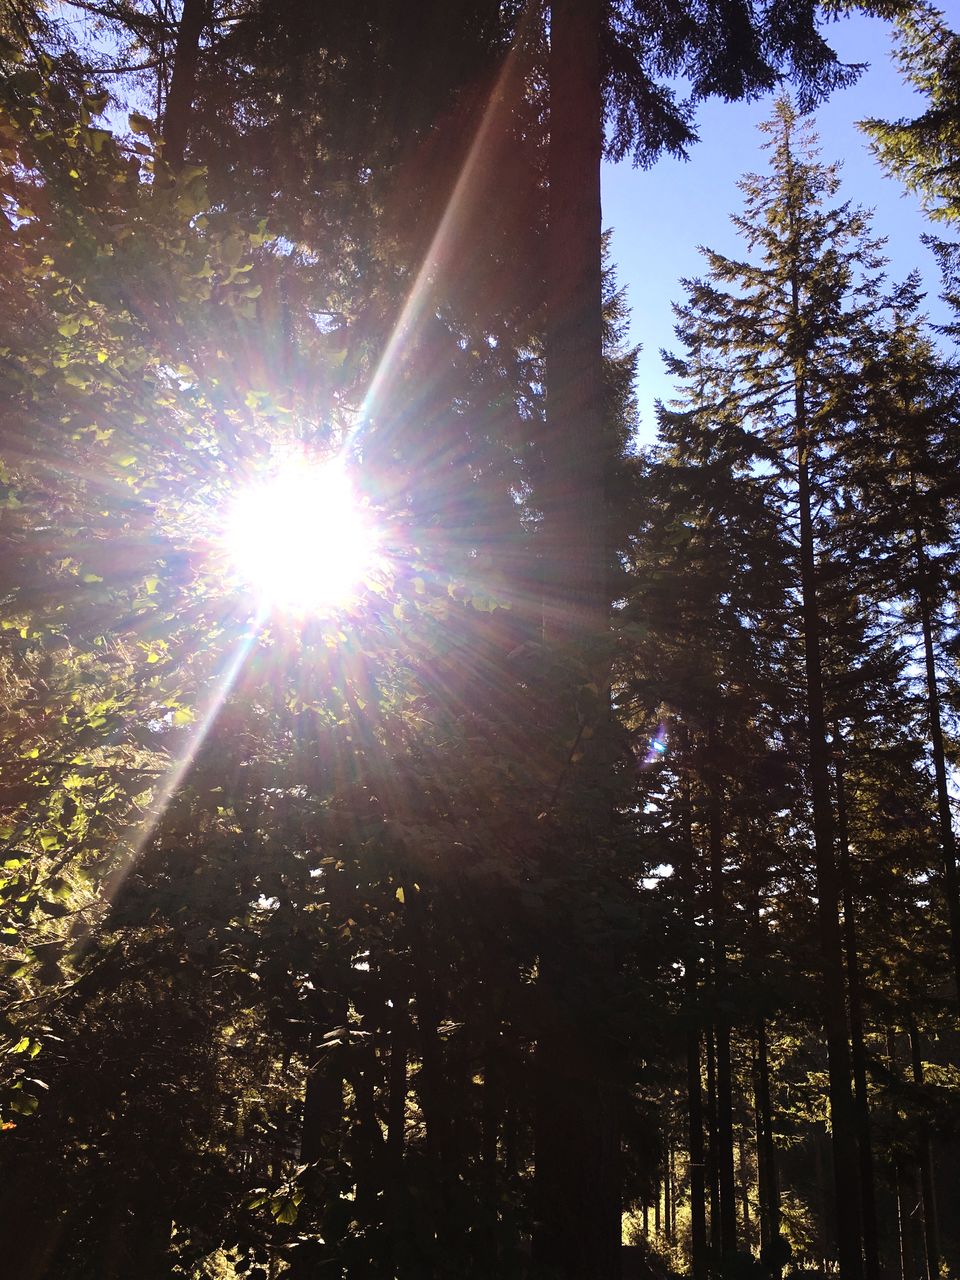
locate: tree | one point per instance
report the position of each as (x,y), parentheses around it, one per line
(780,337)
(924,153)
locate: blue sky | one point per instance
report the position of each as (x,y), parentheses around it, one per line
(660,215)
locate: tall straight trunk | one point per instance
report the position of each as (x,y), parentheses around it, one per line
(902,1181)
(695,1135)
(726,1175)
(744,1188)
(671,1193)
(768,1189)
(577,1176)
(843,1119)
(945,821)
(698,1210)
(575,518)
(908,1267)
(931,1230)
(176,118)
(322,1123)
(491,1110)
(712,1166)
(397,1084)
(868,1195)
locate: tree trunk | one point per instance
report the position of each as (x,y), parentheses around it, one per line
(397,1084)
(726,1173)
(768,1191)
(868,1196)
(712,1166)
(744,1189)
(577,1179)
(695,1139)
(574,498)
(947,845)
(931,1231)
(176,118)
(843,1118)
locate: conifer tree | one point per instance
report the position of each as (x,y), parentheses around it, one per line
(779,339)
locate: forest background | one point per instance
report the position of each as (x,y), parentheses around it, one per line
(338,941)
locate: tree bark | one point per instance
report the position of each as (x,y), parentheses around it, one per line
(767,1181)
(931,1230)
(712,1166)
(726,1173)
(574,499)
(577,1178)
(744,1189)
(176,117)
(695,1134)
(868,1195)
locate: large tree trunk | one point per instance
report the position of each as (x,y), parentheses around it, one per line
(577,1191)
(176,118)
(576,602)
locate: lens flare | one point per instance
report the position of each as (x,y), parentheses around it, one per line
(300,539)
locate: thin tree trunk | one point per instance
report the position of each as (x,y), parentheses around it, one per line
(947,844)
(712,1167)
(726,1174)
(768,1190)
(397,1084)
(908,1270)
(695,1134)
(931,1231)
(744,1189)
(868,1195)
(698,1208)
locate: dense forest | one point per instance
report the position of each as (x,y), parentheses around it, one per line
(566,887)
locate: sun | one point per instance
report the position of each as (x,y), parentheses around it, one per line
(300,538)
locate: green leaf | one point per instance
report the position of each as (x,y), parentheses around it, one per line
(141,124)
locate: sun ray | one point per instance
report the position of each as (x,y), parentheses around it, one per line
(439,255)
(170,783)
